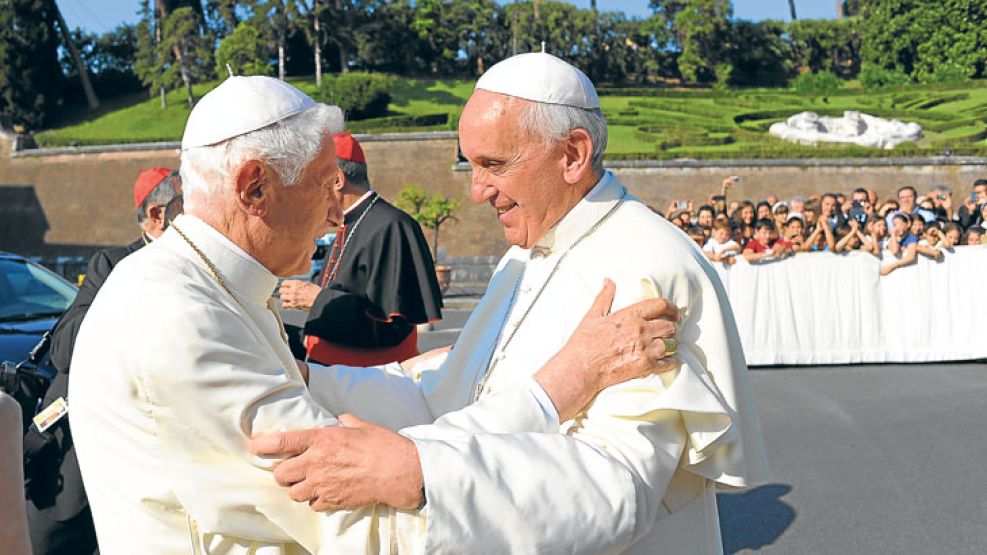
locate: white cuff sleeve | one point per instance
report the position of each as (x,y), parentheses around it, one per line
(544,401)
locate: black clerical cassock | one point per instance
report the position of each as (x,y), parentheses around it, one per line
(378,283)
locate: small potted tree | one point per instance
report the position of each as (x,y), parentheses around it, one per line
(430,212)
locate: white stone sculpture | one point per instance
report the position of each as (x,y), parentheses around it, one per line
(809,128)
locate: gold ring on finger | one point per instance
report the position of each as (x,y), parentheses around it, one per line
(671,346)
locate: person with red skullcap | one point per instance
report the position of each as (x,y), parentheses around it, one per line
(58,510)
(378,281)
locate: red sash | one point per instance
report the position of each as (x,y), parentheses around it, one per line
(323,352)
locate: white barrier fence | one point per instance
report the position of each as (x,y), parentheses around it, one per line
(823,308)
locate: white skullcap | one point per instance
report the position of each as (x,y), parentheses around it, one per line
(540,77)
(241,105)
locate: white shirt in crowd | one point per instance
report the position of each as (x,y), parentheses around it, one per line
(716,247)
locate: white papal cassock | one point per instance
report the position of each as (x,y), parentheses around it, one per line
(171,374)
(637,472)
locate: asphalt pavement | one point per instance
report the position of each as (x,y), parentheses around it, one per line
(865,459)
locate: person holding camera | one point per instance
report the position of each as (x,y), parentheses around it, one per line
(968,214)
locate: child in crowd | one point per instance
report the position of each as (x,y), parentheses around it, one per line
(821,238)
(761,247)
(795,232)
(973,236)
(917,226)
(780,213)
(951,237)
(902,244)
(721,247)
(928,243)
(877,232)
(851,238)
(696,234)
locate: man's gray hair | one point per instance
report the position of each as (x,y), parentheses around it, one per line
(287,146)
(355,172)
(160,195)
(555,121)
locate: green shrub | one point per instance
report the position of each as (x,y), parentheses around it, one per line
(947,73)
(822,81)
(398,123)
(359,94)
(874,77)
(723,72)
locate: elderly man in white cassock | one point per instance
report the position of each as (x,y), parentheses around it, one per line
(638,470)
(162,414)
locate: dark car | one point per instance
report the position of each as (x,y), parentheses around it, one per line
(31,300)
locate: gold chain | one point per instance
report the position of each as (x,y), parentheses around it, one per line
(222,282)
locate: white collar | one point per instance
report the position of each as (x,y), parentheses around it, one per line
(242,272)
(358,202)
(595,205)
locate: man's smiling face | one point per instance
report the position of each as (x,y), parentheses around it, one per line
(516,173)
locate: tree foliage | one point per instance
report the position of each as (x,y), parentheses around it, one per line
(831,45)
(702,31)
(430,211)
(923,39)
(690,41)
(31,80)
(244,51)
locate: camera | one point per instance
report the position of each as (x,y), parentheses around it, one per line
(681,205)
(27,381)
(857,212)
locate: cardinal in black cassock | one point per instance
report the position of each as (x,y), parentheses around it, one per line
(379,279)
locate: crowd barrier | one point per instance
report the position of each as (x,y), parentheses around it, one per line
(824,308)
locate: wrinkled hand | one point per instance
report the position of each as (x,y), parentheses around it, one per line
(299,295)
(608,349)
(352,465)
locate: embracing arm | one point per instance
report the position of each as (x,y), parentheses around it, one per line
(619,462)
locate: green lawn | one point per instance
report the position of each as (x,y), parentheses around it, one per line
(644,123)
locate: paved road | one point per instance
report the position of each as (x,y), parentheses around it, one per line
(866,459)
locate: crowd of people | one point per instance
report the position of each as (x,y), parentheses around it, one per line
(906,227)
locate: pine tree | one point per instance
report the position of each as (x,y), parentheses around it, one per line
(31,79)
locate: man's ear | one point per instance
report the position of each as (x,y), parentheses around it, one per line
(155,214)
(578,151)
(253,189)
(340,180)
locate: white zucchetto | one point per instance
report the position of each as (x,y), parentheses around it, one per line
(541,77)
(240,105)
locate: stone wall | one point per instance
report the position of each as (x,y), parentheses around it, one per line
(71,201)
